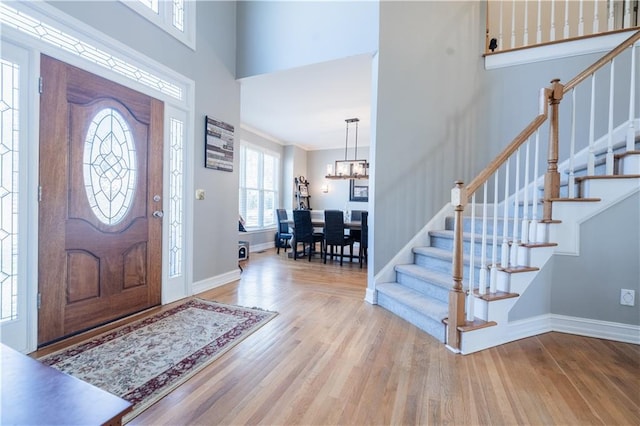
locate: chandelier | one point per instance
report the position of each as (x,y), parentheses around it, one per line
(349,169)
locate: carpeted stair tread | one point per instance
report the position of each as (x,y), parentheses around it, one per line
(433,252)
(466,236)
(422,273)
(429,307)
(444,255)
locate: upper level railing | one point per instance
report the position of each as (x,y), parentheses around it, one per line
(513,24)
(509,184)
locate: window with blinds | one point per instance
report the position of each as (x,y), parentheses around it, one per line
(259,171)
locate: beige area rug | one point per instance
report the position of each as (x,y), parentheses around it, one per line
(143,361)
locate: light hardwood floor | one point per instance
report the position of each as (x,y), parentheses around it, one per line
(330,358)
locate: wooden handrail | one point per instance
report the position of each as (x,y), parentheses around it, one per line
(601,62)
(513,146)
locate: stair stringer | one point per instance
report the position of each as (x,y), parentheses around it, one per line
(405,254)
(498,310)
(572,214)
(566,234)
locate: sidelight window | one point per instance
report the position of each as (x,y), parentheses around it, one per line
(9,155)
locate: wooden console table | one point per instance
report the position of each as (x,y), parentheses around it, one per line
(36,394)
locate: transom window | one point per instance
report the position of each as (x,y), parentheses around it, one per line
(177,17)
(259,176)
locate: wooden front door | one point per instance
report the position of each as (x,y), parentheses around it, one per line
(100,210)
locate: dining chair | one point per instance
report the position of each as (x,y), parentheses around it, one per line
(284,235)
(364,237)
(303,233)
(334,234)
(356,216)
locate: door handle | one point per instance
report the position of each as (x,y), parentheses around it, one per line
(158,213)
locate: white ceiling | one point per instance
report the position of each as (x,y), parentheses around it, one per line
(308,106)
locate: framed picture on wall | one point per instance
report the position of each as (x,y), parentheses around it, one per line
(218,145)
(358,190)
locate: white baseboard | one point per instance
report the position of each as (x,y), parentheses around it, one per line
(371,296)
(594,328)
(529,327)
(217,281)
(573,325)
(260,247)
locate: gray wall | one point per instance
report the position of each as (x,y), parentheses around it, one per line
(431,114)
(338,195)
(279,35)
(212,67)
(588,286)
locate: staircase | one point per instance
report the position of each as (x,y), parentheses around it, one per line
(523,238)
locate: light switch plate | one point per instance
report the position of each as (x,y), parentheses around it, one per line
(199,194)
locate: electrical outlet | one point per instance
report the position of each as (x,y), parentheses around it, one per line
(627,297)
(199,194)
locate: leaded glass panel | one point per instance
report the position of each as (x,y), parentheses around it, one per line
(176,135)
(9,138)
(109,166)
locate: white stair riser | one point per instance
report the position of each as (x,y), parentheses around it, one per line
(602,188)
(630,165)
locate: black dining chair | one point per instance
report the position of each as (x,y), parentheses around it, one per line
(356,216)
(364,237)
(303,233)
(334,234)
(284,235)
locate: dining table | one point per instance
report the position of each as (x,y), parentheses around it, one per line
(354,225)
(319,223)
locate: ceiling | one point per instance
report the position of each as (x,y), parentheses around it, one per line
(308,106)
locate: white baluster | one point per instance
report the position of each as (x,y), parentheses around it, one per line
(539,24)
(482,287)
(515,240)
(581,19)
(552,31)
(572,148)
(591,161)
(524,234)
(513,24)
(626,22)
(610,22)
(472,260)
(565,33)
(533,232)
(631,132)
(493,282)
(504,257)
(596,21)
(500,27)
(609,167)
(525,36)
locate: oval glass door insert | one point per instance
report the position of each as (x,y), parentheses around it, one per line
(109,166)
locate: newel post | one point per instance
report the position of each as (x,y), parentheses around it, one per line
(456,295)
(552,177)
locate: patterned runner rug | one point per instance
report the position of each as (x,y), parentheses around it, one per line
(143,361)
